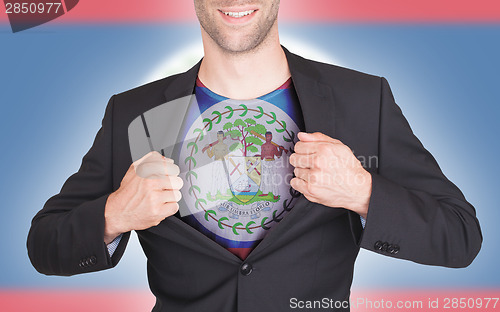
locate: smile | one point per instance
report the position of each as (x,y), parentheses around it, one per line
(238,14)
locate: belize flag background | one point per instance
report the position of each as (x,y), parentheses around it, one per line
(441,58)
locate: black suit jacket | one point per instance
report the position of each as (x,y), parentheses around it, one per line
(415,212)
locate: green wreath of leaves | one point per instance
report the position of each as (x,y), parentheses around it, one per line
(234,228)
(194,187)
(272,121)
(209,123)
(194,174)
(261,113)
(198,201)
(220,222)
(201,133)
(247,227)
(219,115)
(276,218)
(283,129)
(193,144)
(245,108)
(211,212)
(231,112)
(292,135)
(265,227)
(190,158)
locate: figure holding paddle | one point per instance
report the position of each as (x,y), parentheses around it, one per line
(219,152)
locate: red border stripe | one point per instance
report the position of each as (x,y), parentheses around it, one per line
(157,11)
(366,300)
(392,10)
(75,300)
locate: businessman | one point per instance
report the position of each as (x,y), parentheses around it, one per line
(248,252)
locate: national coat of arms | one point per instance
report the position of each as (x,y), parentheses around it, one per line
(236,170)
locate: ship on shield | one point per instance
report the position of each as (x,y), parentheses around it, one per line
(244,176)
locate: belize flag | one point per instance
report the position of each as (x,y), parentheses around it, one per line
(441,58)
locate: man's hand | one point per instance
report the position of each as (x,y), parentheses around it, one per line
(148,193)
(328,173)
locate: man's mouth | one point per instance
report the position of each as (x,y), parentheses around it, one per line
(239,14)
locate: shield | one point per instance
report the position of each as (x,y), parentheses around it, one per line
(244,176)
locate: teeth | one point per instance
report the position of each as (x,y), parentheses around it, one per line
(239,14)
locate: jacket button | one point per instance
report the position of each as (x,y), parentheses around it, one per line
(246,269)
(93,260)
(378,245)
(390,249)
(396,249)
(384,246)
(82,263)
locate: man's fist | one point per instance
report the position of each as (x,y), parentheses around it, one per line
(328,173)
(148,193)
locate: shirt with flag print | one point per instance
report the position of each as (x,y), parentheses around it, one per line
(234,164)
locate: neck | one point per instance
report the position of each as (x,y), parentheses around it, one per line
(245,75)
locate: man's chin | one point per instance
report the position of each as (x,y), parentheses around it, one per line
(235,46)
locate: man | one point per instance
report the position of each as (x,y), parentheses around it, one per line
(267,154)
(219,151)
(307,251)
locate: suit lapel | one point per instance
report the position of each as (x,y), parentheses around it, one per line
(318,107)
(315,97)
(158,127)
(159,122)
(183,84)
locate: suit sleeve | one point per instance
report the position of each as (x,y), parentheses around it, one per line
(67,236)
(415,212)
